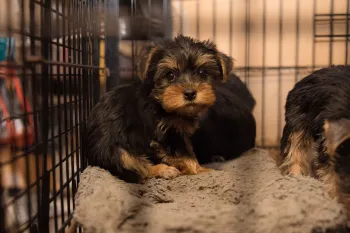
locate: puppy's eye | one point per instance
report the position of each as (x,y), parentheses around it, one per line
(171,76)
(202,73)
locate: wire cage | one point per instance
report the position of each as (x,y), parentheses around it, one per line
(57,57)
(49,74)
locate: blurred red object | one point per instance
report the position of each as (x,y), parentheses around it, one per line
(16,116)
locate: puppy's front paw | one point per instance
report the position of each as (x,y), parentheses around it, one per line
(163,171)
(169,173)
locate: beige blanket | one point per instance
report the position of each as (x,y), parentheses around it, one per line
(246,195)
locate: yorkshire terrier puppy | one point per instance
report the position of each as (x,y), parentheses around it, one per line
(229,128)
(240,89)
(316,137)
(143,129)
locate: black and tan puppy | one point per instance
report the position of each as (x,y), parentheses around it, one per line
(142,129)
(316,137)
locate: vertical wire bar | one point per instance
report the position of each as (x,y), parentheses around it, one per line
(96,56)
(52,139)
(166,18)
(53,123)
(85,106)
(52,109)
(26,114)
(84,22)
(77,73)
(86,74)
(81,43)
(67,91)
(72,78)
(92,75)
(231,27)
(280,53)
(46,34)
(150,19)
(111,42)
(214,20)
(93,82)
(32,26)
(247,36)
(197,19)
(9,31)
(181,17)
(347,33)
(314,35)
(263,76)
(331,33)
(65,37)
(297,40)
(12,152)
(133,9)
(34,93)
(59,110)
(91,8)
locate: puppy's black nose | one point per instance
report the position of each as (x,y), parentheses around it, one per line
(190,94)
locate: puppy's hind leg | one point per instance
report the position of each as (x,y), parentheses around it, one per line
(297,150)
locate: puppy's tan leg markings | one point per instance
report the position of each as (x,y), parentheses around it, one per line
(189,147)
(336,184)
(138,164)
(186,164)
(182,164)
(146,170)
(298,159)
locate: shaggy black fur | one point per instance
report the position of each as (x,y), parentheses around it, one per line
(122,118)
(235,84)
(229,128)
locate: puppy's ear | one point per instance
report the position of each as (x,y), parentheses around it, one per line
(226,63)
(337,135)
(145,60)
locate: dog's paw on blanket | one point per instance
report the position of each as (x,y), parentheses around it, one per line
(247,195)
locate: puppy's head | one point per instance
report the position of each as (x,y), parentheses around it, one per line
(181,73)
(337,135)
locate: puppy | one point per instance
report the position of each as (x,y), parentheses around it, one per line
(316,137)
(142,129)
(235,84)
(229,129)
